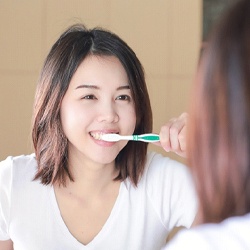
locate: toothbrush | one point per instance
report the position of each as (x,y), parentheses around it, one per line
(143,137)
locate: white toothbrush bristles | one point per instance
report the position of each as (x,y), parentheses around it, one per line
(109,137)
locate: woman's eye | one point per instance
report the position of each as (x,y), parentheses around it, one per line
(89,97)
(123,98)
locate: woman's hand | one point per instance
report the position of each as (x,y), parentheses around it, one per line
(173,135)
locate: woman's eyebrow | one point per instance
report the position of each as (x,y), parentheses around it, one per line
(91,86)
(87,86)
(123,87)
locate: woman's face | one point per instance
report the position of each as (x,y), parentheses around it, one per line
(98,100)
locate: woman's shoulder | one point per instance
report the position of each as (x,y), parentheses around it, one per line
(166,177)
(169,186)
(158,164)
(14,166)
(234,230)
(233,233)
(17,158)
(18,161)
(234,226)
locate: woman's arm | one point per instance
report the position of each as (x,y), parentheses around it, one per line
(6,245)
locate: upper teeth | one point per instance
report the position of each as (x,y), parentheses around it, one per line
(96,135)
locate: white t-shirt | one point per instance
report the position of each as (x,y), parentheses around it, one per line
(140,219)
(231,234)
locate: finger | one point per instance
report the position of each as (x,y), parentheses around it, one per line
(165,135)
(175,135)
(182,143)
(182,139)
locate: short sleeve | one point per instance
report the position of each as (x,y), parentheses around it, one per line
(171,189)
(5,197)
(189,239)
(183,197)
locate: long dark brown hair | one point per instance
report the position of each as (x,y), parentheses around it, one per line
(219,129)
(50,143)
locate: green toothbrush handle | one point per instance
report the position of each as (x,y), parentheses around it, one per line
(147,137)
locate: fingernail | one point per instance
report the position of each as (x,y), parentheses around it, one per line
(166,149)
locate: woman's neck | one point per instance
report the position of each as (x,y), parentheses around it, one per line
(91,176)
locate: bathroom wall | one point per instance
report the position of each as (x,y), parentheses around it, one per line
(165,34)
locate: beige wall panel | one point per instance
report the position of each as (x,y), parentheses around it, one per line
(169,98)
(185,39)
(144,25)
(160,93)
(16,101)
(60,14)
(179,98)
(21,36)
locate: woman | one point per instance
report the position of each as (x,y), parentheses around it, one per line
(80,192)
(219,138)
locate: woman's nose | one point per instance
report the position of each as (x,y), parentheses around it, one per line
(108,113)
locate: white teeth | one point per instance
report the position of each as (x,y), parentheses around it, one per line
(96,135)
